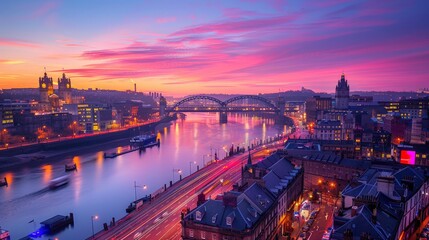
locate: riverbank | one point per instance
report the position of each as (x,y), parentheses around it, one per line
(45,153)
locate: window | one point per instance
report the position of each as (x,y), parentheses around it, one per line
(228,221)
(203,235)
(214,236)
(191,233)
(198,216)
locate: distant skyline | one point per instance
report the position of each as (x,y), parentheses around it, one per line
(188,47)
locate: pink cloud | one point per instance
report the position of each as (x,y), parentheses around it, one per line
(166,20)
(17,43)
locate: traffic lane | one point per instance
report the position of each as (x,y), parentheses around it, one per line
(184,202)
(159,201)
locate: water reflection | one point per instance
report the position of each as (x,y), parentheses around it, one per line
(47,173)
(104,186)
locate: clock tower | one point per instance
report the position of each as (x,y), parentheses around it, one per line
(64,89)
(46,88)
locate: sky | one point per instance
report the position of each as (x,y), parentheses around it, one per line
(190,47)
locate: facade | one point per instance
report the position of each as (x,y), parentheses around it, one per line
(412,154)
(261,211)
(383,204)
(46,88)
(64,89)
(327,172)
(329,130)
(342,93)
(414,108)
(94,117)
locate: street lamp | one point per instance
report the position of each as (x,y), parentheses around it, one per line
(93,217)
(178,171)
(144,187)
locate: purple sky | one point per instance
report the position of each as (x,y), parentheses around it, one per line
(185,47)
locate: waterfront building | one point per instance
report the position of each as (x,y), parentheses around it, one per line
(385,203)
(94,117)
(64,89)
(27,123)
(342,93)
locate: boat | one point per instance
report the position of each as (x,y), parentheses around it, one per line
(145,140)
(3,182)
(4,234)
(70,167)
(58,182)
(137,203)
(53,225)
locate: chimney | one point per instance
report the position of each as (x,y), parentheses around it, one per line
(230,199)
(354,211)
(374,216)
(201,199)
(385,184)
(135,87)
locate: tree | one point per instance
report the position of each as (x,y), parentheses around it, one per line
(43,133)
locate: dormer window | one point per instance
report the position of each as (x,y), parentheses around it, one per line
(198,216)
(228,221)
(214,218)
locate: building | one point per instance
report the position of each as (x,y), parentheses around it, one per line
(414,108)
(342,93)
(412,154)
(383,204)
(64,89)
(327,172)
(94,117)
(261,211)
(329,130)
(46,89)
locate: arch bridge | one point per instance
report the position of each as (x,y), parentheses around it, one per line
(241,103)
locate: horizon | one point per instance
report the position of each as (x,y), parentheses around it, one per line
(211,47)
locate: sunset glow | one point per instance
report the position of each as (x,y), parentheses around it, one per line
(216,46)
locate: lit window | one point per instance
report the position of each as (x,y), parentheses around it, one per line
(191,233)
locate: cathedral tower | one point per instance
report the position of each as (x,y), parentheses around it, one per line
(342,93)
(64,89)
(46,88)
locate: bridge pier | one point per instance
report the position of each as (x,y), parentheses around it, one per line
(223,117)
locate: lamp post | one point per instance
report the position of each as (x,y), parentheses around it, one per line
(204,160)
(178,171)
(93,217)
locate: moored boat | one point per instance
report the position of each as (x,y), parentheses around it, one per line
(3,182)
(138,203)
(144,140)
(70,167)
(52,225)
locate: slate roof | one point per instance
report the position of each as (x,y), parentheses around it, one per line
(251,204)
(384,227)
(389,211)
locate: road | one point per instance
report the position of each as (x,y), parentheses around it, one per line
(160,219)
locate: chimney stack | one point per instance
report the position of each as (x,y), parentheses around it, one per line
(354,211)
(135,87)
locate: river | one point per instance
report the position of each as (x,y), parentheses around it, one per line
(104,187)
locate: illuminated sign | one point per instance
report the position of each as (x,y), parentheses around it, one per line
(408,157)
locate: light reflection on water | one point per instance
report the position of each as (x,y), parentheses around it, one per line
(106,186)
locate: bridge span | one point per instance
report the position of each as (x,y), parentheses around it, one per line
(240,103)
